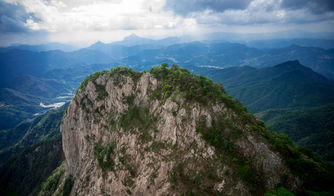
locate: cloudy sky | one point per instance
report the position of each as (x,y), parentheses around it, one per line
(87,21)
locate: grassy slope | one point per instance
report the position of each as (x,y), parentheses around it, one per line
(25,171)
(286,85)
(311,127)
(30,132)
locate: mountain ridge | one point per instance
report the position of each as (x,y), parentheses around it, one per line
(261,89)
(310,127)
(162,116)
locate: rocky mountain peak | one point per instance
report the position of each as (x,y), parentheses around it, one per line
(167,131)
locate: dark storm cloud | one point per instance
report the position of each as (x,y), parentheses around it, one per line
(315,6)
(184,7)
(12,18)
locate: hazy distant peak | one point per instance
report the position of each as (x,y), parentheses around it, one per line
(98,43)
(293,64)
(133,36)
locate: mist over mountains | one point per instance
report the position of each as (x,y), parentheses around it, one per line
(166,97)
(286,83)
(142,52)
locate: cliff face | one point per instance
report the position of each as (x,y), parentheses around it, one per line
(166,132)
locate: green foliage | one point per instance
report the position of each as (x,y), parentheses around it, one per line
(176,81)
(175,174)
(311,127)
(191,86)
(25,171)
(217,136)
(103,156)
(52,182)
(185,176)
(68,186)
(12,115)
(246,174)
(30,132)
(85,103)
(214,136)
(164,65)
(129,99)
(153,176)
(321,193)
(281,191)
(190,193)
(125,72)
(128,181)
(92,78)
(138,118)
(101,91)
(234,104)
(12,136)
(288,85)
(127,164)
(117,73)
(316,173)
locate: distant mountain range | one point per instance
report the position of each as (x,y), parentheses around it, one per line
(289,97)
(134,40)
(22,97)
(142,53)
(34,74)
(283,43)
(287,85)
(41,47)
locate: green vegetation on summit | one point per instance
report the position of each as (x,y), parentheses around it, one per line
(227,132)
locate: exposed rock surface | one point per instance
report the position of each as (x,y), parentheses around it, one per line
(126,133)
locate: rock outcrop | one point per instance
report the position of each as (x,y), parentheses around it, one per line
(166,132)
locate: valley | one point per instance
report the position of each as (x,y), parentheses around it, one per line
(166,98)
(289,96)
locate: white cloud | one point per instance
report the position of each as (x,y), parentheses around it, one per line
(261,12)
(262,16)
(110,20)
(63,16)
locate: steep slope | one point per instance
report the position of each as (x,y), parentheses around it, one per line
(24,172)
(311,127)
(286,93)
(285,85)
(168,131)
(30,132)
